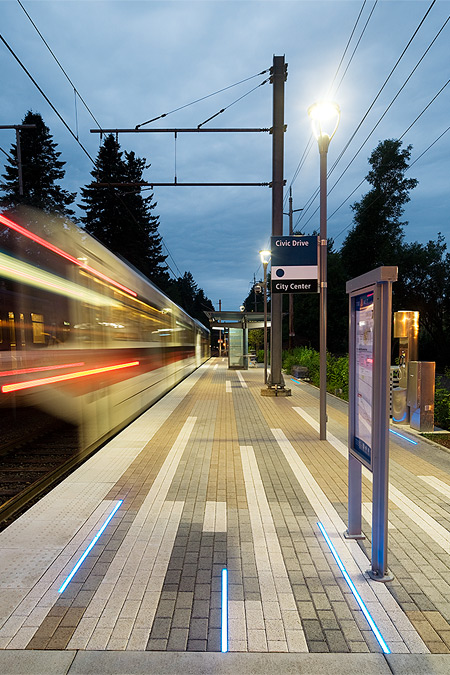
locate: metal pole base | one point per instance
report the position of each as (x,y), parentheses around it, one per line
(375,576)
(276,391)
(347,535)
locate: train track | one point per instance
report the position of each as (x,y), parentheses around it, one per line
(36,451)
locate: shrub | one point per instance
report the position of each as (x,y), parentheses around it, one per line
(441,407)
(337,368)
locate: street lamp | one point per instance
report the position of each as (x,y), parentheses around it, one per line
(265,257)
(325,119)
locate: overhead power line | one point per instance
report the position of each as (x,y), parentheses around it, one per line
(77,93)
(310,140)
(311,199)
(203,98)
(41,91)
(234,102)
(400,138)
(408,169)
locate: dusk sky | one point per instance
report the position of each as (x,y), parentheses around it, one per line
(135,60)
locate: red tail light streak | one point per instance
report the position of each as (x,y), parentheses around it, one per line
(23,371)
(34,237)
(18,386)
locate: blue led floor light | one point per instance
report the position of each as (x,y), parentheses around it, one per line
(405,438)
(90,547)
(358,598)
(224,636)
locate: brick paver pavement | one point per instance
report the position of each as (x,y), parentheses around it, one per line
(214,476)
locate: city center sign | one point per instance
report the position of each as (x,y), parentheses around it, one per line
(294,264)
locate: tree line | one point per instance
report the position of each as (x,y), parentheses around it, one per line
(116,209)
(377,237)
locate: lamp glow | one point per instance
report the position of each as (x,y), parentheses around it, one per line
(324,117)
(358,598)
(265,257)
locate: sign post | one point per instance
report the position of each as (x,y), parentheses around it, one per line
(370,308)
(294,264)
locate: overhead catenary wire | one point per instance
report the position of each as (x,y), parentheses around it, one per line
(311,139)
(400,138)
(203,98)
(75,136)
(10,157)
(303,214)
(41,91)
(233,103)
(408,169)
(77,93)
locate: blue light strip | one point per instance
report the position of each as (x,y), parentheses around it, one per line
(358,598)
(224,636)
(296,381)
(404,437)
(90,547)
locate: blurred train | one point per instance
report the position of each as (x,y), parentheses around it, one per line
(83,336)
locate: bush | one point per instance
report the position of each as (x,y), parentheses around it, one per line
(441,407)
(260,356)
(337,368)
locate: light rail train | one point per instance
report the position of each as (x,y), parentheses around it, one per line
(84,336)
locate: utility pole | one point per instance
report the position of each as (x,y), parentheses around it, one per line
(18,128)
(278,78)
(291,295)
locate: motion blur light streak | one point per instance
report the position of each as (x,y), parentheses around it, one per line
(17,270)
(34,237)
(90,547)
(22,371)
(62,378)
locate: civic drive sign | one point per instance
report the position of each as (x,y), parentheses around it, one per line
(294,264)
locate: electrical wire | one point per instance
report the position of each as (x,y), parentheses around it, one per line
(10,157)
(357,44)
(173,259)
(400,138)
(310,141)
(348,45)
(394,99)
(303,214)
(46,98)
(233,103)
(77,93)
(67,127)
(409,167)
(203,98)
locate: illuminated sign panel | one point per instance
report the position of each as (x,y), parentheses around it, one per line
(294,267)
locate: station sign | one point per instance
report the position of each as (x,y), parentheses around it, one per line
(294,264)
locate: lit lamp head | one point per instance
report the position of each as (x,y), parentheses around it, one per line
(265,257)
(325,117)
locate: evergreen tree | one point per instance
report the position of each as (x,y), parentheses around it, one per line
(377,235)
(41,169)
(185,292)
(121,217)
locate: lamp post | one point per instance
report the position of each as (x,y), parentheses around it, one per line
(265,257)
(325,119)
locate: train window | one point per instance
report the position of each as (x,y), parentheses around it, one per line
(12,329)
(37,322)
(22,329)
